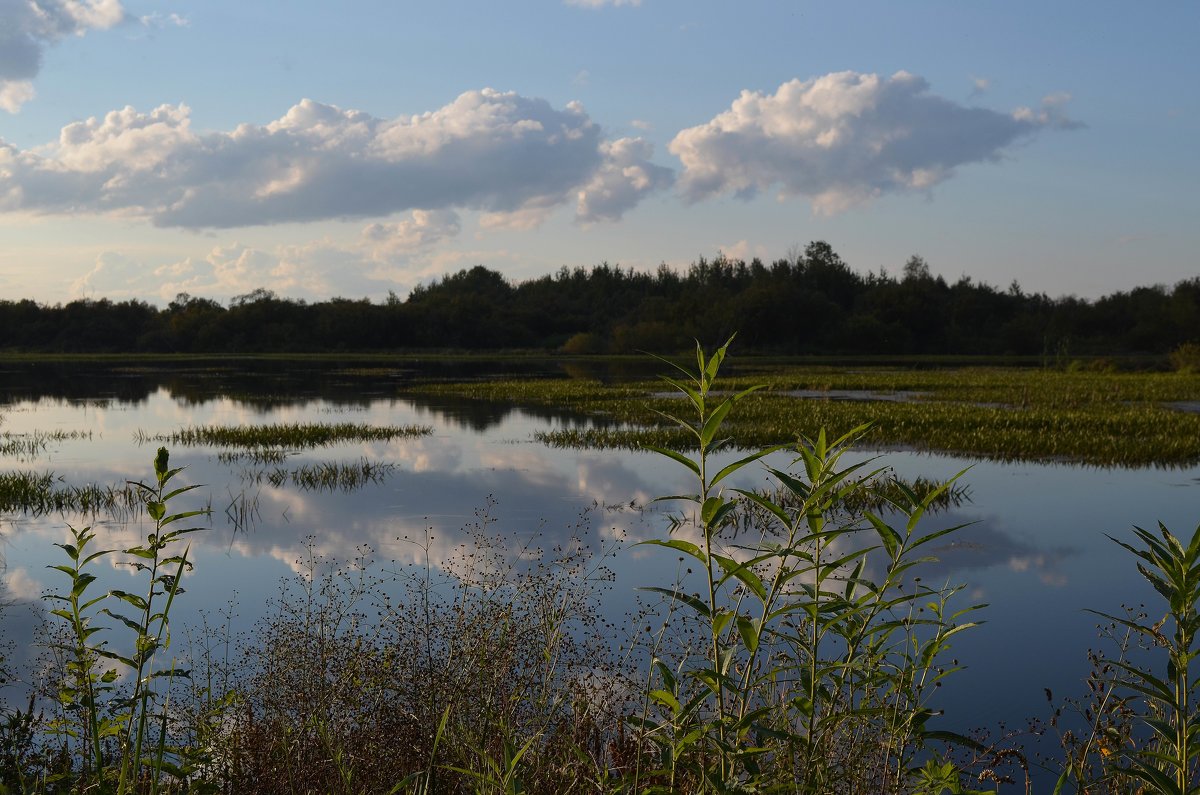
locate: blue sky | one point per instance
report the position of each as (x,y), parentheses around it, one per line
(318,149)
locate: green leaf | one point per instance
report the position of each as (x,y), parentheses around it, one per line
(679,596)
(729,469)
(743,573)
(674,456)
(748,629)
(713,423)
(686,547)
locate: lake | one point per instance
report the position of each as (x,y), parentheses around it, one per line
(1035,550)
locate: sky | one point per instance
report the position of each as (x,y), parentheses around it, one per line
(211,147)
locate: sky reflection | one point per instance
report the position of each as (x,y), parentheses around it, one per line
(1033,549)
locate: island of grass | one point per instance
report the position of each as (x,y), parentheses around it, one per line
(1127,419)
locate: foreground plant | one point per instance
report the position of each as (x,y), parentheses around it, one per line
(1165,758)
(812,674)
(122,729)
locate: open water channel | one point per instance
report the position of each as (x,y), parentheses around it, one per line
(1036,550)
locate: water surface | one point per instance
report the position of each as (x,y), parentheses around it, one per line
(1035,550)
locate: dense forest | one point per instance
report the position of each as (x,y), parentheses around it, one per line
(812,303)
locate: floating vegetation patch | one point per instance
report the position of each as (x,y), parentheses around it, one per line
(327,476)
(255,455)
(1103,419)
(294,436)
(41,493)
(31,444)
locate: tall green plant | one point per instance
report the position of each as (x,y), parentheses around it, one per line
(98,711)
(1168,760)
(810,670)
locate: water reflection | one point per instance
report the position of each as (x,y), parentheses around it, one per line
(1033,548)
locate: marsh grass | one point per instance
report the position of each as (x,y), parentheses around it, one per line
(293,436)
(27,445)
(344,476)
(1103,419)
(42,493)
(255,455)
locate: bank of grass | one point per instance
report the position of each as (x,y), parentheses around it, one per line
(1098,418)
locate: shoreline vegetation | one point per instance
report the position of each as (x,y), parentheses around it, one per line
(800,652)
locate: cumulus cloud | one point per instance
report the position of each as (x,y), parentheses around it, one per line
(500,153)
(386,257)
(846,138)
(626,176)
(28,27)
(422,228)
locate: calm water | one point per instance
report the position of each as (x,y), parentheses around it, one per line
(1036,552)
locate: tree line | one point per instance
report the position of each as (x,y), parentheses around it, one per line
(809,303)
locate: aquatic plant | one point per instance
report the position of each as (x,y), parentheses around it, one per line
(41,493)
(326,475)
(31,444)
(296,436)
(1104,419)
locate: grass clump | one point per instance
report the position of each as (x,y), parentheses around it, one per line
(294,436)
(41,493)
(327,475)
(26,445)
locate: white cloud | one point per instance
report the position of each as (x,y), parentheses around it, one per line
(384,257)
(422,228)
(28,27)
(642,125)
(14,94)
(510,156)
(157,20)
(846,138)
(743,250)
(625,178)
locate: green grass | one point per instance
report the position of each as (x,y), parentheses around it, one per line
(1103,419)
(327,475)
(35,442)
(295,436)
(42,493)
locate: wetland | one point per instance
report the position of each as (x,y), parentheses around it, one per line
(461,470)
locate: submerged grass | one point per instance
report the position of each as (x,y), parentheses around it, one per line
(289,435)
(31,444)
(326,475)
(42,493)
(1104,419)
